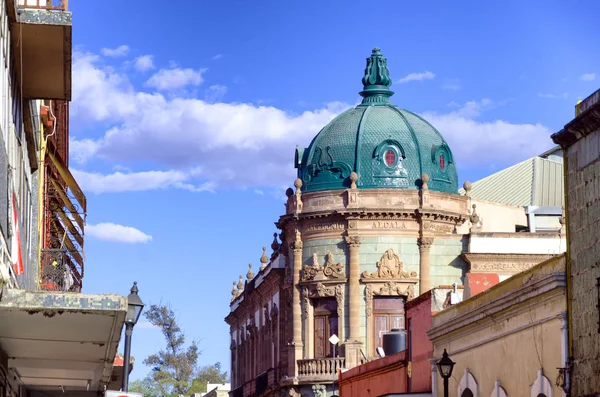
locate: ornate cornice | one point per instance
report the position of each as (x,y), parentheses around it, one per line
(581,126)
(503,263)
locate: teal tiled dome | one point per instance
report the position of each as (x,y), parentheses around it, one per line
(386,146)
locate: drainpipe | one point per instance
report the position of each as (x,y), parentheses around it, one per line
(569,329)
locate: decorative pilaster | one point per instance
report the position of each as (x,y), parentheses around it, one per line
(354,341)
(424,278)
(296,345)
(307,317)
(354,287)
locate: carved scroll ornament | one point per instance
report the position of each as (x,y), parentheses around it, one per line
(389,267)
(329,270)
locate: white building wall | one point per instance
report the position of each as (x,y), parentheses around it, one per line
(517,245)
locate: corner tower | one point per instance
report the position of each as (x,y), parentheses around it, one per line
(386,146)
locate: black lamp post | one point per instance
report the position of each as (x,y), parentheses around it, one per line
(445,366)
(134,310)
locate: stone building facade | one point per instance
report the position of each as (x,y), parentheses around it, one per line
(580,140)
(375,220)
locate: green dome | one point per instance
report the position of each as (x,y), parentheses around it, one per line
(386,146)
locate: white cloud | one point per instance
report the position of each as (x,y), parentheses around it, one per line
(588,76)
(259,192)
(205,146)
(564,95)
(117,233)
(451,85)
(137,181)
(217,57)
(417,77)
(120,51)
(144,63)
(215,93)
(173,79)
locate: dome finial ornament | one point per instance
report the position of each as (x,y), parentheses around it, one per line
(376,80)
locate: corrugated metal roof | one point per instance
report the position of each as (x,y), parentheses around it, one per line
(536,181)
(510,186)
(547,183)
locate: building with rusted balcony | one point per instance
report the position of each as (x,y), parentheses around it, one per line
(53,339)
(375,220)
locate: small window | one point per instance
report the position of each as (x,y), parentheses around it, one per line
(442,162)
(390,158)
(467,393)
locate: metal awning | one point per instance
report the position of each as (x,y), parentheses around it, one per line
(61,341)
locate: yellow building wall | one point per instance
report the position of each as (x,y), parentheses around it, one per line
(511,344)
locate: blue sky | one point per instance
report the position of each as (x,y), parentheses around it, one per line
(185,118)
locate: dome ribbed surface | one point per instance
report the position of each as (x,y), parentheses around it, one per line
(386,146)
(358,139)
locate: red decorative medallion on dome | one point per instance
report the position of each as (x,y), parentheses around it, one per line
(390,158)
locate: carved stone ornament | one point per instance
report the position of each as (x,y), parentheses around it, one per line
(329,270)
(389,288)
(425,242)
(389,267)
(319,390)
(306,299)
(353,241)
(296,245)
(337,291)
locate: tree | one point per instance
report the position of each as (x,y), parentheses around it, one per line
(145,386)
(208,374)
(174,366)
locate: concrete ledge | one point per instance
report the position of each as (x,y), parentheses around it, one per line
(44,17)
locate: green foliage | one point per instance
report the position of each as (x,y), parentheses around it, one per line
(145,386)
(174,366)
(175,372)
(208,374)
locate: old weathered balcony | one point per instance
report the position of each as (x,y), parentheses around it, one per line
(320,369)
(58,272)
(42,39)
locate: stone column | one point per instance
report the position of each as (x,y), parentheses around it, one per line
(296,346)
(354,341)
(354,287)
(424,277)
(434,376)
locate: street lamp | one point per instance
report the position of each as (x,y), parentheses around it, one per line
(134,310)
(445,366)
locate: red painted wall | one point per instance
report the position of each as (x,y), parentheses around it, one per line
(418,313)
(377,378)
(389,375)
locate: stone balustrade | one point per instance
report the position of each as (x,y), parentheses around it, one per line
(320,368)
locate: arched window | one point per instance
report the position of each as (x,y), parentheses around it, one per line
(468,387)
(498,390)
(542,387)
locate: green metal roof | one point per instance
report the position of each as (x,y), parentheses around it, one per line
(388,147)
(536,181)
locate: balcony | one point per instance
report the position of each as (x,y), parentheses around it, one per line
(42,39)
(320,369)
(58,271)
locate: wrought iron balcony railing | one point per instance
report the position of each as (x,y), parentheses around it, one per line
(57,271)
(56,5)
